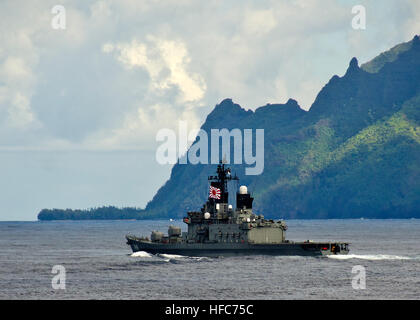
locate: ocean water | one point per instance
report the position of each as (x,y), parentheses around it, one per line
(99,265)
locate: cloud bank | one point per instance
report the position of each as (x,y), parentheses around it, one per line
(121,70)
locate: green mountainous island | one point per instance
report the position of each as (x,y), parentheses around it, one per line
(355,153)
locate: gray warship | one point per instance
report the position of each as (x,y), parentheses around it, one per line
(218,229)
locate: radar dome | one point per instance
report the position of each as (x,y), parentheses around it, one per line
(243,190)
(207,215)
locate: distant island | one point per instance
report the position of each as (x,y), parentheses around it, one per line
(355,153)
(101,213)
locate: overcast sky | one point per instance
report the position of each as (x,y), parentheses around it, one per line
(80,106)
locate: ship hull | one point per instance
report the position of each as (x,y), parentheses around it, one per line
(229,249)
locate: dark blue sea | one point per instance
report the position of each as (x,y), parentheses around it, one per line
(99,265)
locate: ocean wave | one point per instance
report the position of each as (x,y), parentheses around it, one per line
(369,257)
(177,257)
(141,254)
(165,257)
(171,256)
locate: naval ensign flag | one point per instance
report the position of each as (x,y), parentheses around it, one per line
(214,193)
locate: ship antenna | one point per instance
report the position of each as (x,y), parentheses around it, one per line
(224,161)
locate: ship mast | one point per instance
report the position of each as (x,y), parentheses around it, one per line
(220,181)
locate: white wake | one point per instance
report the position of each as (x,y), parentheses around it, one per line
(171,256)
(179,257)
(141,254)
(369,257)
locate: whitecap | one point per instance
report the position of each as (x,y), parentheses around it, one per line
(141,254)
(179,257)
(171,256)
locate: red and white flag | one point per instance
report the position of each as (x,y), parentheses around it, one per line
(214,193)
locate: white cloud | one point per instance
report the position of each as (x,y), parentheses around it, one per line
(176,58)
(142,125)
(167,65)
(20,114)
(16,92)
(412,25)
(166,62)
(258,22)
